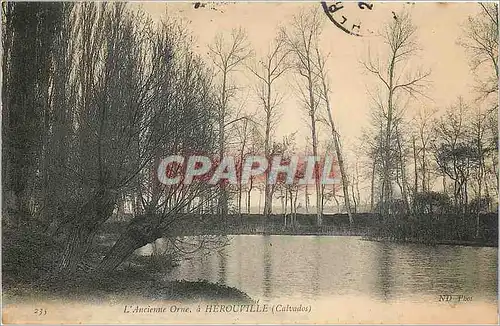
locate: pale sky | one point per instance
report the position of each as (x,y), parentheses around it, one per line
(439,27)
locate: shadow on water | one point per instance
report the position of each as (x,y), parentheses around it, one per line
(316,276)
(239,263)
(204,267)
(267,262)
(222,271)
(385,280)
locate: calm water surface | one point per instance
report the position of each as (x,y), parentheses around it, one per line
(270,267)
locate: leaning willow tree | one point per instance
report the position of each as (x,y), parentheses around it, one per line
(94,95)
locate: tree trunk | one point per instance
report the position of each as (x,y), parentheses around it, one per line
(249,194)
(268,197)
(403,171)
(372,185)
(80,234)
(415,167)
(355,208)
(77,244)
(294,214)
(122,249)
(336,140)
(306,195)
(140,232)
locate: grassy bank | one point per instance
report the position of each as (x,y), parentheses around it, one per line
(445,229)
(473,243)
(124,284)
(28,258)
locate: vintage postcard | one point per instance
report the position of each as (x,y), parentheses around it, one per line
(319,162)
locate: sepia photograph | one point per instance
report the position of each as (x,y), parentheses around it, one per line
(314,162)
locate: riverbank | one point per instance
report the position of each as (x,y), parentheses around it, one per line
(27,264)
(480,243)
(130,283)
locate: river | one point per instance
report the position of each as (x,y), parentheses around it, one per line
(312,267)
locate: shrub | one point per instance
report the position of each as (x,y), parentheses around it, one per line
(27,254)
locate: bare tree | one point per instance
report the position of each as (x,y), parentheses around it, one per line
(325,90)
(356,194)
(455,154)
(478,135)
(248,145)
(268,69)
(402,153)
(302,39)
(481,42)
(227,57)
(400,39)
(243,135)
(254,149)
(371,145)
(421,142)
(286,149)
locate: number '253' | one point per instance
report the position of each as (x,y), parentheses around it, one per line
(40,311)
